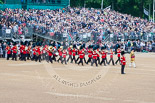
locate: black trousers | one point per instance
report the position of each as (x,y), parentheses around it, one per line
(64,60)
(28,57)
(34,57)
(111,59)
(50,59)
(74,59)
(54,58)
(38,58)
(23,57)
(8,56)
(122,69)
(14,56)
(103,61)
(98,59)
(118,60)
(89,60)
(77,59)
(81,61)
(70,57)
(43,56)
(94,61)
(60,58)
(106,60)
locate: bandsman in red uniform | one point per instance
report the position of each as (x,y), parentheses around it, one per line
(118,55)
(24,49)
(34,53)
(21,51)
(38,54)
(64,54)
(103,53)
(90,52)
(28,52)
(81,56)
(60,54)
(123,62)
(74,54)
(111,57)
(50,54)
(94,56)
(70,54)
(98,55)
(8,50)
(14,51)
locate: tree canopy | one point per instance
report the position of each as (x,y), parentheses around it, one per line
(133,7)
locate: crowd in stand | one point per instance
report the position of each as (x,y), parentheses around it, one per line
(75,20)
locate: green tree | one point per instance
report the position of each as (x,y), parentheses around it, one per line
(1,2)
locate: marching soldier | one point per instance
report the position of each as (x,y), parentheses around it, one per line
(123,62)
(60,54)
(14,51)
(94,55)
(90,52)
(111,57)
(74,54)
(38,54)
(103,53)
(118,55)
(81,56)
(24,49)
(28,52)
(50,54)
(64,54)
(34,53)
(70,54)
(8,49)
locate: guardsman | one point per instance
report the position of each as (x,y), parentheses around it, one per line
(123,62)
(98,55)
(24,49)
(50,54)
(74,53)
(64,54)
(103,53)
(111,56)
(118,55)
(81,56)
(34,53)
(90,52)
(8,49)
(38,54)
(54,53)
(14,51)
(70,54)
(21,51)
(29,52)
(60,54)
(94,56)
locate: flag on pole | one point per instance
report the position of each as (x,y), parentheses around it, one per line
(146,12)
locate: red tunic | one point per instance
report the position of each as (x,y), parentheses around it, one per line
(69,51)
(34,51)
(50,53)
(103,54)
(118,53)
(123,61)
(90,53)
(8,50)
(94,55)
(14,49)
(74,52)
(81,55)
(64,54)
(111,55)
(60,52)
(38,51)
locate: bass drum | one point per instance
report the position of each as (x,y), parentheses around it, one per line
(56,53)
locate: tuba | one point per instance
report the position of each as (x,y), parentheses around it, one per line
(50,48)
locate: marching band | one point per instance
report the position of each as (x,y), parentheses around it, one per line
(49,53)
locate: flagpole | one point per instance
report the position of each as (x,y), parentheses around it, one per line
(153,9)
(102,5)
